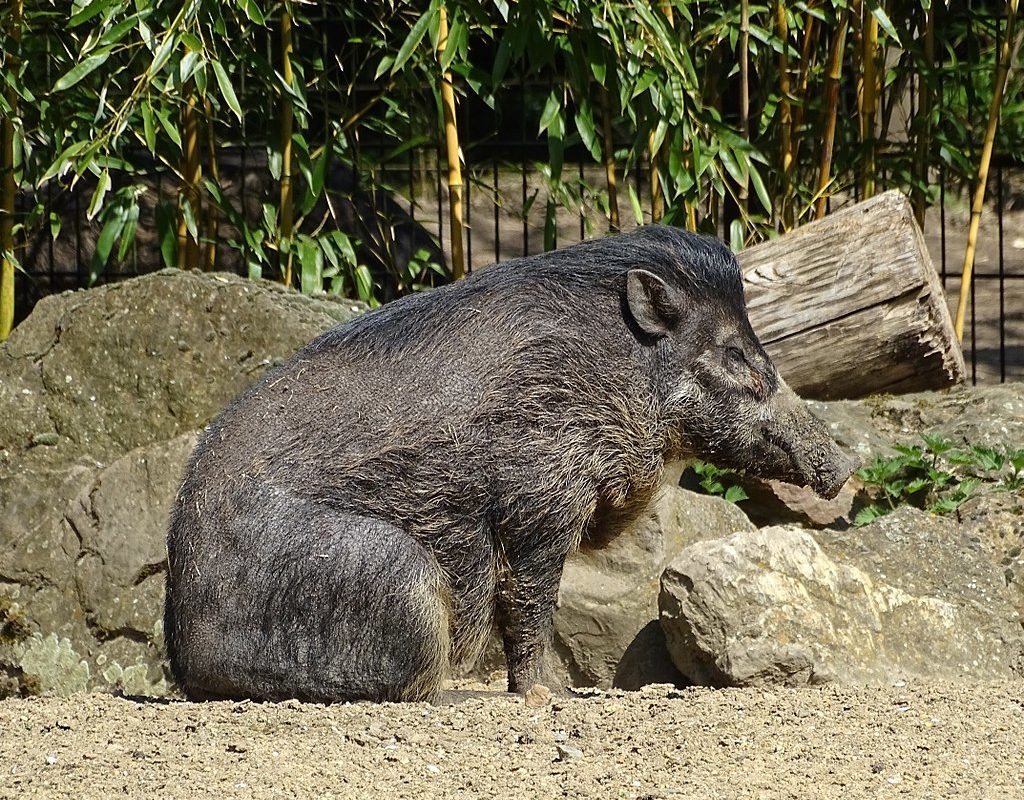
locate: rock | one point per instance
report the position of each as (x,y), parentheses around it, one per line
(775,502)
(980,415)
(996,521)
(905,597)
(566,752)
(538,696)
(101,392)
(110,369)
(606,627)
(121,523)
(100,625)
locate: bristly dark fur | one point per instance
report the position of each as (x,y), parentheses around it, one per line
(355,522)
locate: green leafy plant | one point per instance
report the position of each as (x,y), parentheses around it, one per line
(719,481)
(937,477)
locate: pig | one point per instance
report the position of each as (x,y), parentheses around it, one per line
(356,522)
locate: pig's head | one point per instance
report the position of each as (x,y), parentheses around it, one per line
(720,392)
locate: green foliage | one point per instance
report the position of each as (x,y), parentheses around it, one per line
(100,81)
(938,477)
(719,481)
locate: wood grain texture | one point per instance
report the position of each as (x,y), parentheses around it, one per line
(851,305)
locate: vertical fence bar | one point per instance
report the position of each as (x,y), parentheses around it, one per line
(497,216)
(523,166)
(1002,275)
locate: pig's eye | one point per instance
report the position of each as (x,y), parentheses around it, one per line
(735,356)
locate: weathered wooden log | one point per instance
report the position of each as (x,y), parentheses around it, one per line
(851,305)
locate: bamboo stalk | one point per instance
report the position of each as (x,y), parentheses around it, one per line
(785,112)
(191,173)
(835,66)
(657,201)
(657,205)
(212,218)
(743,194)
(608,149)
(451,138)
(8,188)
(1002,69)
(869,103)
(806,60)
(286,208)
(924,114)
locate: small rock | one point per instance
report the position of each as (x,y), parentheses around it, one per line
(566,752)
(538,696)
(237,747)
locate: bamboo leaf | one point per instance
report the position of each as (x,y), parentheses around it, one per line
(551,111)
(311,262)
(252,11)
(883,20)
(128,233)
(638,211)
(191,41)
(169,127)
(102,186)
(759,188)
(104,245)
(364,283)
(81,69)
(226,89)
(89,11)
(412,41)
(188,65)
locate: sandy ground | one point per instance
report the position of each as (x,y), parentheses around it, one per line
(927,741)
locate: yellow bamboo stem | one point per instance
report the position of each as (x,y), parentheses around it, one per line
(608,148)
(785,111)
(286,210)
(924,114)
(7,184)
(1002,69)
(657,205)
(743,193)
(191,173)
(451,139)
(835,65)
(869,103)
(806,56)
(657,201)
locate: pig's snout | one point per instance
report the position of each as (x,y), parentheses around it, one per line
(830,479)
(815,460)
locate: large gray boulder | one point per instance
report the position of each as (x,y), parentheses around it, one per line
(908,596)
(101,392)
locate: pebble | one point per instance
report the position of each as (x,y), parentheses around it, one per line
(566,752)
(538,696)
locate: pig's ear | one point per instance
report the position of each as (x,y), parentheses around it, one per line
(651,302)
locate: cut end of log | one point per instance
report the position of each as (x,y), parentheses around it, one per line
(851,305)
